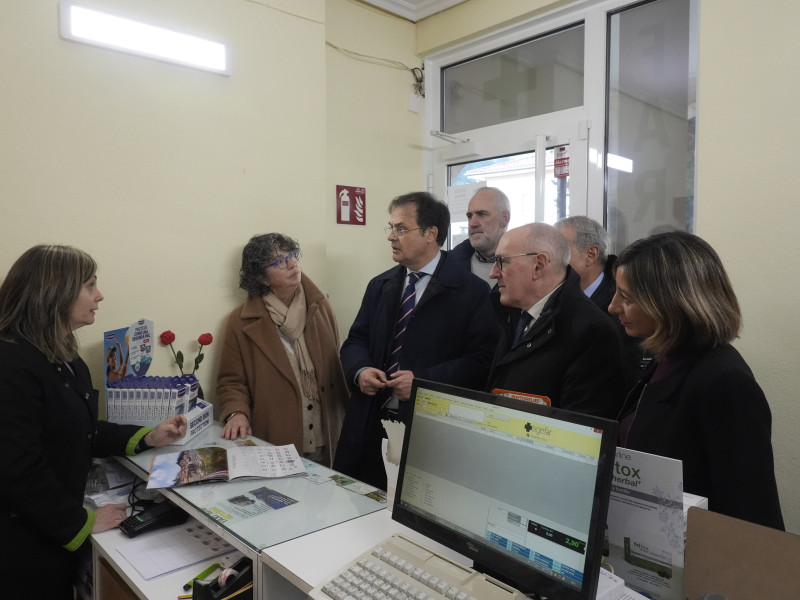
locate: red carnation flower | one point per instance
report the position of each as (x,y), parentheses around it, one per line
(167,337)
(205,339)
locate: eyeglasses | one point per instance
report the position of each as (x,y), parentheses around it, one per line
(399,231)
(282,262)
(499,261)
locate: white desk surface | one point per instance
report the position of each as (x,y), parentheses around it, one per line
(167,586)
(307,561)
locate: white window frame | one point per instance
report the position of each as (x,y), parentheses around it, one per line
(519,136)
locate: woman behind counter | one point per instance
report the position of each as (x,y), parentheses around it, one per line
(698,401)
(50,430)
(280,377)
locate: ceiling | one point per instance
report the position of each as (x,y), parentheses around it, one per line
(414,10)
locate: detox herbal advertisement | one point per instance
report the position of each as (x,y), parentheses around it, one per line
(646,524)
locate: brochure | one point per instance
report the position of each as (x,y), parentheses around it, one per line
(646,524)
(215,464)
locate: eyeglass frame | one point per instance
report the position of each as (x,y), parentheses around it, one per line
(400,231)
(294,255)
(498,260)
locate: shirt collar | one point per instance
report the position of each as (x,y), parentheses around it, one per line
(594,285)
(430,268)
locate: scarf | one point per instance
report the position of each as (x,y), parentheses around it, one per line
(291,322)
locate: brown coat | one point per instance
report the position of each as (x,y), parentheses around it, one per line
(256,378)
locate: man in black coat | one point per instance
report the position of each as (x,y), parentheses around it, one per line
(557,347)
(589,245)
(449,337)
(488,214)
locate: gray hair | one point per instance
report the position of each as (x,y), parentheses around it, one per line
(588,232)
(501,201)
(259,252)
(546,238)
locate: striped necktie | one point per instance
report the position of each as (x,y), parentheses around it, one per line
(406,308)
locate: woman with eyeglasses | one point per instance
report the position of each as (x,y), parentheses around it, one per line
(698,401)
(280,377)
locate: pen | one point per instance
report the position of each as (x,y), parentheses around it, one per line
(249,586)
(206,573)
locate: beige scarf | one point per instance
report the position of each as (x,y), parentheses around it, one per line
(291,321)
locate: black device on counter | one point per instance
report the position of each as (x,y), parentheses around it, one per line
(239,579)
(155,516)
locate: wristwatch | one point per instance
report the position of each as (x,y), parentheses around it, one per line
(233,414)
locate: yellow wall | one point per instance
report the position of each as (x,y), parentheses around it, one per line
(161,172)
(747,205)
(373,142)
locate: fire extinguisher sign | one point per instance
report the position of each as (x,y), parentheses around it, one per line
(351,205)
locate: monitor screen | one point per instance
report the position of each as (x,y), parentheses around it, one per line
(520,488)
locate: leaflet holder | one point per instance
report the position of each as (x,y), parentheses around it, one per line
(234,583)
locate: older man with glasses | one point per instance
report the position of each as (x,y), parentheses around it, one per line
(557,347)
(427,317)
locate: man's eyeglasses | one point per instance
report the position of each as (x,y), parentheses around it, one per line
(282,262)
(399,231)
(499,261)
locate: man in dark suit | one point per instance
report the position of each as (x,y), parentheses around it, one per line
(488,214)
(441,328)
(557,347)
(589,243)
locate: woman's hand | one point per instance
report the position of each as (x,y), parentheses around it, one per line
(109,517)
(167,431)
(237,426)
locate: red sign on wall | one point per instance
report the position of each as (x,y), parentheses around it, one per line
(351,205)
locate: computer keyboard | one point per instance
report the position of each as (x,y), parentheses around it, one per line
(401,569)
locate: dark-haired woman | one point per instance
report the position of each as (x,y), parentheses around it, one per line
(280,377)
(698,402)
(50,430)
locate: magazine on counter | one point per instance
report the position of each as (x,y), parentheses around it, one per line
(216,464)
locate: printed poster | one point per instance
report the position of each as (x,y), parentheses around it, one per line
(128,350)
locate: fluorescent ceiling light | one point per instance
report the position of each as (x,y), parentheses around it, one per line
(97,28)
(620,163)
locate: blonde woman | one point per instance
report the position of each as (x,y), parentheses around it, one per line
(698,401)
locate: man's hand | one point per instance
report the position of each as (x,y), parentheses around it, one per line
(371,381)
(401,383)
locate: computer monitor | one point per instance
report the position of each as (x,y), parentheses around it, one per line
(520,488)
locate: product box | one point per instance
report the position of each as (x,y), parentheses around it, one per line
(198,420)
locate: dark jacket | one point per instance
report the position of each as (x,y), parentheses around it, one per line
(462,256)
(636,359)
(49,436)
(572,354)
(711,414)
(450,338)
(605,291)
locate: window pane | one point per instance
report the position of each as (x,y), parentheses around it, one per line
(515,175)
(533,78)
(651,120)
